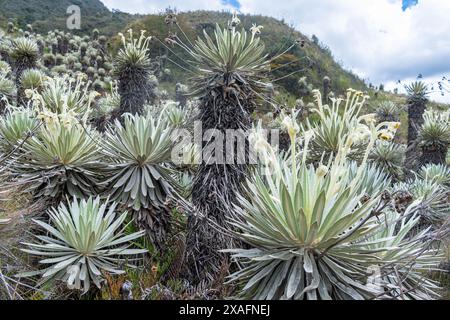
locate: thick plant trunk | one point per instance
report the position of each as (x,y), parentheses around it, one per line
(433,155)
(132,89)
(415,121)
(285,141)
(2,106)
(156,222)
(20,67)
(215,187)
(4,55)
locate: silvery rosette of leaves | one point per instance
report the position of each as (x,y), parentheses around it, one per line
(84,240)
(307,227)
(60,158)
(138,153)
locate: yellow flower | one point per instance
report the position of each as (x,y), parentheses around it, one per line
(291,126)
(369,118)
(93,95)
(28,93)
(386,136)
(322,171)
(256,30)
(235,21)
(393,126)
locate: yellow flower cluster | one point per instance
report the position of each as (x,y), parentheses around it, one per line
(51,119)
(290,124)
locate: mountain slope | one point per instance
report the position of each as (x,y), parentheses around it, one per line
(30,11)
(313,60)
(46,15)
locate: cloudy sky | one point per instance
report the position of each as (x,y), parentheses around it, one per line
(383,41)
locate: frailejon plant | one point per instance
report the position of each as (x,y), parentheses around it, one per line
(307,228)
(175,115)
(333,126)
(138,154)
(15,125)
(31,79)
(434,196)
(434,137)
(417,101)
(406,260)
(132,66)
(389,157)
(228,74)
(7,92)
(439,173)
(65,94)
(387,111)
(62,158)
(84,240)
(101,112)
(5,68)
(25,53)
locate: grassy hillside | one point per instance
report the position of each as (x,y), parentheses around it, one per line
(46,15)
(312,61)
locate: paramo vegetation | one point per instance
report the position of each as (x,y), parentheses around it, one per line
(93,205)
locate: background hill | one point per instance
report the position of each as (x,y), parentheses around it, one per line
(313,60)
(46,15)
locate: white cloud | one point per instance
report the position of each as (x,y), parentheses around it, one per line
(156,6)
(374,38)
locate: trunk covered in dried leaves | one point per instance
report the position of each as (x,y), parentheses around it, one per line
(133,83)
(433,155)
(416,109)
(215,187)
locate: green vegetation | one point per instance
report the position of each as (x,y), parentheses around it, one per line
(95,202)
(309,59)
(85,240)
(47,15)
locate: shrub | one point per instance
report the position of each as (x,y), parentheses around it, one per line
(15,125)
(307,229)
(32,79)
(85,239)
(137,154)
(389,157)
(61,159)
(334,126)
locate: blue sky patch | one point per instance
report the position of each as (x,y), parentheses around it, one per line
(409,3)
(234,3)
